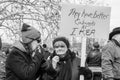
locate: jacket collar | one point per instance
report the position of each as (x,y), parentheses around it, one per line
(20,46)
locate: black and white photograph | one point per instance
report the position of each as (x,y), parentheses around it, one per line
(59,40)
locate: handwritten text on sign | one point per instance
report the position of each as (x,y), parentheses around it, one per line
(84,20)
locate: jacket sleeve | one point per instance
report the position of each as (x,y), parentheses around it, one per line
(48,68)
(21,68)
(107,61)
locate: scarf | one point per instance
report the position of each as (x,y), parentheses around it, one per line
(65,72)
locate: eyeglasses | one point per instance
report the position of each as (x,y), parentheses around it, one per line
(37,39)
(61,46)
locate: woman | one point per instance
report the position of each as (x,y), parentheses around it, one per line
(64,61)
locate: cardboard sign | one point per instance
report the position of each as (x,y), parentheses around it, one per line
(81,20)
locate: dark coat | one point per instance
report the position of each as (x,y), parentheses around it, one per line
(75,70)
(22,66)
(94,58)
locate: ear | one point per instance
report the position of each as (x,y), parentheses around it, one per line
(25,27)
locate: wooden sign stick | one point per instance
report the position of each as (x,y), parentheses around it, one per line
(83,55)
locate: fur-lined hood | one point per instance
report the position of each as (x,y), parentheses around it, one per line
(20,46)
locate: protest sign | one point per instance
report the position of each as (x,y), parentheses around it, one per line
(81,20)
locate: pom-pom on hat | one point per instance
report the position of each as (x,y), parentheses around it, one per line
(65,40)
(29,33)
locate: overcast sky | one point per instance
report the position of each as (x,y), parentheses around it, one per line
(115,14)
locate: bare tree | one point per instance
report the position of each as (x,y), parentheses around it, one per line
(45,15)
(42,14)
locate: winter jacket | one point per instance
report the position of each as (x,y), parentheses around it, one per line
(94,58)
(111,60)
(2,65)
(75,71)
(75,65)
(20,65)
(93,61)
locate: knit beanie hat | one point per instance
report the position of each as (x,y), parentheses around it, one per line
(114,32)
(29,33)
(96,45)
(65,40)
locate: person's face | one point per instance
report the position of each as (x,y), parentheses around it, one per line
(60,47)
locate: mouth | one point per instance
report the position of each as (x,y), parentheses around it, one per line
(61,52)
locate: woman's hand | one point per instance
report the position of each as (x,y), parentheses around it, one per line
(55,59)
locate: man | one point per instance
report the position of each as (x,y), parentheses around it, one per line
(111,56)
(94,61)
(25,59)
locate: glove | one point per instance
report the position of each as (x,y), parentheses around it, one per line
(86,72)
